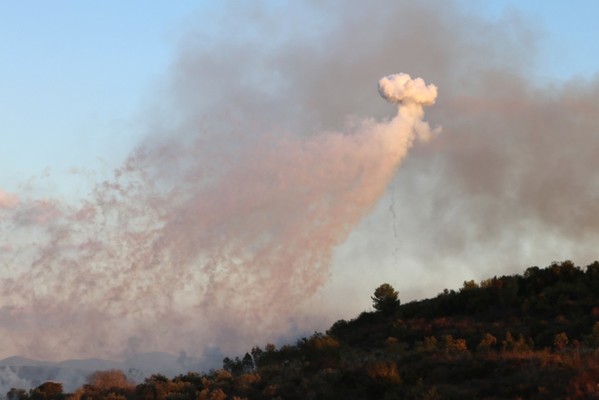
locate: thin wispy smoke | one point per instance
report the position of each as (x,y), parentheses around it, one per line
(261,159)
(7,200)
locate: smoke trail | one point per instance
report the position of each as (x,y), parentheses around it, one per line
(197,243)
(395,226)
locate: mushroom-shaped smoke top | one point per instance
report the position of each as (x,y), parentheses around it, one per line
(401,88)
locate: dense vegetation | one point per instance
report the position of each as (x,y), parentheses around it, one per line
(530,336)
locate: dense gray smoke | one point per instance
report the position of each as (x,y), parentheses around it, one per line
(262,157)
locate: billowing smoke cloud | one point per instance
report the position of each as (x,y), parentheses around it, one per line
(228,242)
(263,157)
(400,88)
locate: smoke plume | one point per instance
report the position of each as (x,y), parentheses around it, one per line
(213,242)
(258,200)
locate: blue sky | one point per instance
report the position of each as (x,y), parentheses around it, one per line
(74,75)
(568,33)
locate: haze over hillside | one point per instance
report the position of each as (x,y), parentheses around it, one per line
(533,335)
(26,373)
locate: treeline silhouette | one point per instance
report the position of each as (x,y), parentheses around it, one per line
(529,336)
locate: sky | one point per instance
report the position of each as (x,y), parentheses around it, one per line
(190,176)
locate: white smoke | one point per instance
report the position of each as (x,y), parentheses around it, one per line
(401,88)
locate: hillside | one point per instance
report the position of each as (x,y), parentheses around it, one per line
(529,336)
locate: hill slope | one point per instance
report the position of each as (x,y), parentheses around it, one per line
(532,336)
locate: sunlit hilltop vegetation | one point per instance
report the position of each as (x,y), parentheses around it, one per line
(529,336)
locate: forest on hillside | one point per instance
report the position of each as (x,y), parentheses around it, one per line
(528,336)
